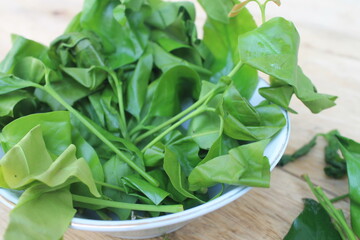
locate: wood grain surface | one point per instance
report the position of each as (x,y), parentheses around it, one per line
(329,55)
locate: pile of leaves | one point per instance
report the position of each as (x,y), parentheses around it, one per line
(130,112)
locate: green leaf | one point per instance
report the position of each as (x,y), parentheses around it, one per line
(273,48)
(80,49)
(177,178)
(174,85)
(56,130)
(24,160)
(30,161)
(351,152)
(272,121)
(137,86)
(298,153)
(217,9)
(313,223)
(155,194)
(30,68)
(90,78)
(10,100)
(121,44)
(165,14)
(205,129)
(119,14)
(244,165)
(154,155)
(240,108)
(10,83)
(278,95)
(58,135)
(69,90)
(41,214)
(115,169)
(221,38)
(166,61)
(21,48)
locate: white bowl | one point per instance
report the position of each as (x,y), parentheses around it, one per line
(157,226)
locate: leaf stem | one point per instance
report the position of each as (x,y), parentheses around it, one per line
(131,206)
(235,69)
(110,186)
(57,97)
(177,117)
(174,126)
(336,215)
(338,198)
(118,86)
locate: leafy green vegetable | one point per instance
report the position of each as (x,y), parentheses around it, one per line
(312,223)
(135,108)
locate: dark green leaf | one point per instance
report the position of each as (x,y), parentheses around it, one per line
(137,86)
(174,171)
(121,43)
(155,194)
(314,223)
(174,85)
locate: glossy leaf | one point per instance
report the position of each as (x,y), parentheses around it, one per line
(243,165)
(240,108)
(205,129)
(90,78)
(137,86)
(313,223)
(155,194)
(176,175)
(272,48)
(351,152)
(10,83)
(30,69)
(221,38)
(21,48)
(121,43)
(115,169)
(10,100)
(272,121)
(175,84)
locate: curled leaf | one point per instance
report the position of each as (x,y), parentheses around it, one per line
(277,2)
(237,8)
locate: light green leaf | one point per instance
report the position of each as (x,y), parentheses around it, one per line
(41,214)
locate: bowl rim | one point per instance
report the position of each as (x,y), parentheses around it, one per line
(8,197)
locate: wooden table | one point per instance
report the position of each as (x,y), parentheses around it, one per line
(329,54)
